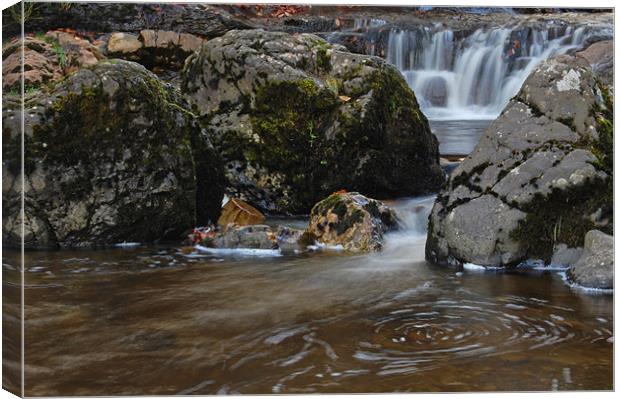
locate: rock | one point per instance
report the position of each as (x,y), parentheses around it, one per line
(207,20)
(595,268)
(541,175)
(78,52)
(112,155)
(352,220)
(600,55)
(47,58)
(296,118)
(565,256)
(436,91)
(290,239)
(155,49)
(123,43)
(254,237)
(241,213)
(41,64)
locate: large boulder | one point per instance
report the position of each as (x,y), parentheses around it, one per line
(207,20)
(111,154)
(541,175)
(296,118)
(595,267)
(356,222)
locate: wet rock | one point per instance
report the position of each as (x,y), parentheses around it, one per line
(112,156)
(595,268)
(539,177)
(254,237)
(296,118)
(436,91)
(600,55)
(290,239)
(565,256)
(352,220)
(241,213)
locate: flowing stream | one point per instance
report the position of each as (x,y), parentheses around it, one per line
(463,83)
(153,320)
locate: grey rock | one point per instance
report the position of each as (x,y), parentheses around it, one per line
(600,55)
(565,256)
(436,91)
(288,239)
(253,236)
(595,267)
(112,156)
(543,147)
(297,118)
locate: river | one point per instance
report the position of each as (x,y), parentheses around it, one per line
(153,320)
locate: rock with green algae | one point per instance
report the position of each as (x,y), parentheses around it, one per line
(540,177)
(111,155)
(356,222)
(296,118)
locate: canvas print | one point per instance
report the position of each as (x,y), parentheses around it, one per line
(204,199)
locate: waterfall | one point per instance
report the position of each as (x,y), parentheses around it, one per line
(473,77)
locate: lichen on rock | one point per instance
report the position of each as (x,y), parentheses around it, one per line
(355,222)
(296,118)
(111,154)
(540,177)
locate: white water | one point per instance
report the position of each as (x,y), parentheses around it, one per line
(471,77)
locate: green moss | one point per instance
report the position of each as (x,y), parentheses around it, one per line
(290,119)
(562,217)
(323,57)
(345,223)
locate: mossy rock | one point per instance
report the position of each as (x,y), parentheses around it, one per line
(111,155)
(541,176)
(356,222)
(296,118)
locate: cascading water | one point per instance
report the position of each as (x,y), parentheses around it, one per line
(473,77)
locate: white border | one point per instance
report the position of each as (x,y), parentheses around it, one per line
(488,3)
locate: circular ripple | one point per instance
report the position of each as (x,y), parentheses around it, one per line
(421,336)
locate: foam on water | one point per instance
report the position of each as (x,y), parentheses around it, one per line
(239,251)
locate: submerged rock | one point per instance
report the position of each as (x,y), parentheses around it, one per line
(540,176)
(352,220)
(595,267)
(296,118)
(112,155)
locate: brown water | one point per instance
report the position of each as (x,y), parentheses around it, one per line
(150,320)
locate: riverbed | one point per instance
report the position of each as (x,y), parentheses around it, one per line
(154,320)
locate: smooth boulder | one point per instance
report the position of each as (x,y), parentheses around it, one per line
(296,118)
(595,267)
(540,176)
(355,222)
(112,155)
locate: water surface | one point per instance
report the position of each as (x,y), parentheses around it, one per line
(152,320)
